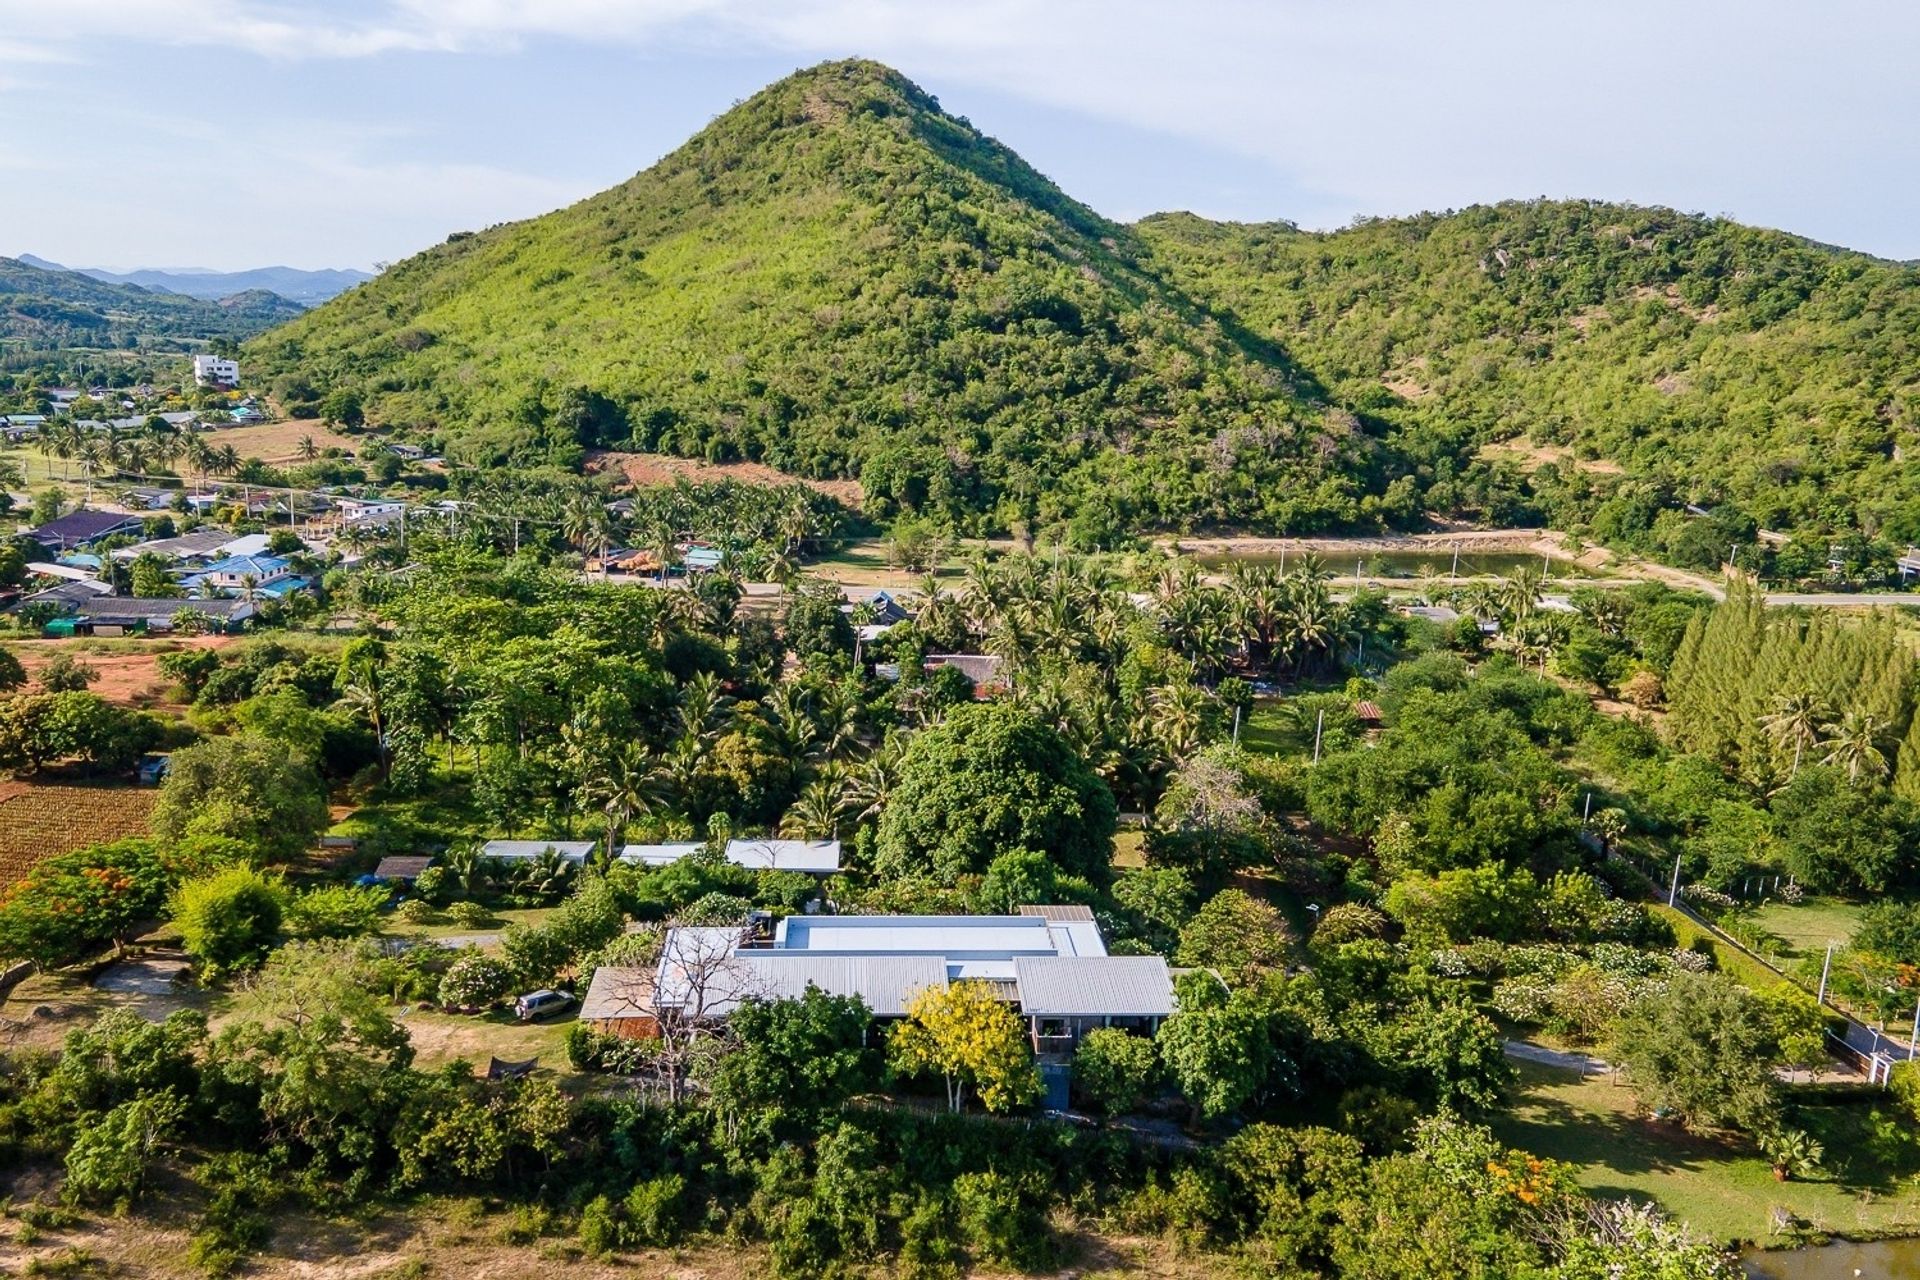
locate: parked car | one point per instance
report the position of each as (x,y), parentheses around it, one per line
(536,1005)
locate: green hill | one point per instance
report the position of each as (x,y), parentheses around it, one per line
(838,279)
(1712,363)
(44,311)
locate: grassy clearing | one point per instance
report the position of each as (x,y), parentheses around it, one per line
(441,927)
(1725,1191)
(1807,928)
(1272,730)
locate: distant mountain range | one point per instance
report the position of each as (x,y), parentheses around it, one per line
(309,288)
(51,311)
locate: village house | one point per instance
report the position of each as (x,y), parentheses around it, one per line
(1049,962)
(83,528)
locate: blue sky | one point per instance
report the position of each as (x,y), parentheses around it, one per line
(234,133)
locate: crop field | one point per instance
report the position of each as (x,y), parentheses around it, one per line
(39,822)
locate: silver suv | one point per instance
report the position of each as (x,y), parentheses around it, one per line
(536,1005)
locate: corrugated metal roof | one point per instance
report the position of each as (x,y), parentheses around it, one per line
(886,983)
(658,855)
(618,991)
(571,850)
(821,857)
(1063,911)
(402,866)
(1094,986)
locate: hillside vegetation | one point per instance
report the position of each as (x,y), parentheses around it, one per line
(1715,363)
(838,279)
(51,311)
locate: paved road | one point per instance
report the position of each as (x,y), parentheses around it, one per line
(1585,1065)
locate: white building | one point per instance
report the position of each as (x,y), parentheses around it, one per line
(212,371)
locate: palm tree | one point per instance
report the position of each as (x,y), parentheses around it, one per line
(815,815)
(873,780)
(705,707)
(1797,721)
(584,523)
(1853,744)
(627,785)
(308,449)
(1792,1151)
(467,870)
(1520,594)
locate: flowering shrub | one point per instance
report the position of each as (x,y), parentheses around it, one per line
(1705,896)
(1690,961)
(474,981)
(1449,963)
(1793,894)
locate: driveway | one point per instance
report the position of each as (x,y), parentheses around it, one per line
(1583,1063)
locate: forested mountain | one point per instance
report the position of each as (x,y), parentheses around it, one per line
(46,311)
(292,283)
(1712,362)
(839,279)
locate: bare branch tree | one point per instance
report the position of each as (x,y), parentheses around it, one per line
(701,979)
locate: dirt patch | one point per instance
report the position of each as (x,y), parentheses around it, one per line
(128,677)
(642,469)
(279,442)
(1534,456)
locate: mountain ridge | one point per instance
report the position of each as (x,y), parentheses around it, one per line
(839,279)
(305,286)
(49,312)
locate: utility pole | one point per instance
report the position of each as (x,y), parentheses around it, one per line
(1586,810)
(1673,891)
(1456,561)
(1825,967)
(1236,726)
(1913,1037)
(1319,723)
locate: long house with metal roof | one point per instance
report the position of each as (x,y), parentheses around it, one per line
(815,857)
(1050,963)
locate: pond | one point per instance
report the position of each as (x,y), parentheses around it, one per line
(1406,564)
(1880,1260)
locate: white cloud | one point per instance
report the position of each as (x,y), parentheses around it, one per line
(1368,105)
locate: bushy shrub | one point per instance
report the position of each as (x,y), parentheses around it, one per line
(475,981)
(1348,922)
(415,911)
(655,1208)
(1112,1069)
(336,911)
(228,920)
(1004,1218)
(470,915)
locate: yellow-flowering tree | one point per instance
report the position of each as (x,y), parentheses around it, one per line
(971,1039)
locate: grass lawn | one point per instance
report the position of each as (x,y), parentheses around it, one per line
(1807,928)
(445,928)
(1130,848)
(440,1038)
(1723,1191)
(1271,729)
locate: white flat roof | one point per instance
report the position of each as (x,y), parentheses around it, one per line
(821,857)
(958,938)
(571,850)
(658,855)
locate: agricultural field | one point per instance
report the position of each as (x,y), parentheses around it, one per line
(41,821)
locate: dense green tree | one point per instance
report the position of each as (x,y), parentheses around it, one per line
(1703,1048)
(807,1055)
(991,778)
(253,790)
(230,919)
